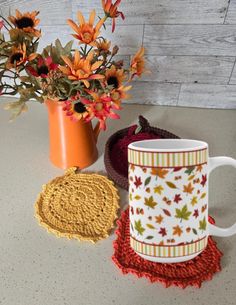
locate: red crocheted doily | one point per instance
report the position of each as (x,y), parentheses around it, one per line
(190,273)
(119,150)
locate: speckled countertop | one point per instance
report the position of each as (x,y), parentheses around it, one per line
(37,269)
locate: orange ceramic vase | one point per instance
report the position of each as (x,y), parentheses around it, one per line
(71,143)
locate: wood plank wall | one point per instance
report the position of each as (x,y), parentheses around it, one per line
(190,45)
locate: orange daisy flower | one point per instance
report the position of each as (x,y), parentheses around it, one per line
(26,22)
(19,57)
(85,31)
(117,95)
(81,68)
(103,45)
(115,77)
(111,11)
(100,107)
(138,63)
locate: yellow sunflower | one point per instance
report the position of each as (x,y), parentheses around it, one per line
(81,68)
(18,56)
(76,111)
(26,22)
(115,77)
(85,31)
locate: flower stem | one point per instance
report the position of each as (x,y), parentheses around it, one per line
(85,50)
(6,21)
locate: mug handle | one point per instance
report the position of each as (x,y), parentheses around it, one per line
(213,163)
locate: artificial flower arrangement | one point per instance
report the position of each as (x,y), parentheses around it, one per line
(87,79)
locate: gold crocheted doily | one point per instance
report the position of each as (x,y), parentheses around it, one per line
(78,205)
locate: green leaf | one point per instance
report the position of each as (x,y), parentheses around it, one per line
(16,109)
(57,50)
(203,196)
(15,34)
(58,45)
(147,181)
(183,213)
(138,227)
(68,47)
(171,185)
(39,99)
(195,231)
(150,202)
(25,78)
(45,52)
(190,170)
(150,226)
(138,129)
(202,224)
(35,46)
(149,237)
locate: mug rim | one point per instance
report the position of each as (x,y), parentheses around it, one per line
(165,145)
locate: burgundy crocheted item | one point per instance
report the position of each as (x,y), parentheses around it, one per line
(190,273)
(119,150)
(115,156)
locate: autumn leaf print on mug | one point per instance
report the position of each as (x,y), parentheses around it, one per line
(168,198)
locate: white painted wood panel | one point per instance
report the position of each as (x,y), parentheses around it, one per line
(189,69)
(51,33)
(231,14)
(208,96)
(154,93)
(127,37)
(190,45)
(163,11)
(190,40)
(233,76)
(52,12)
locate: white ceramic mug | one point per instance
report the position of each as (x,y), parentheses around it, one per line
(168,198)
